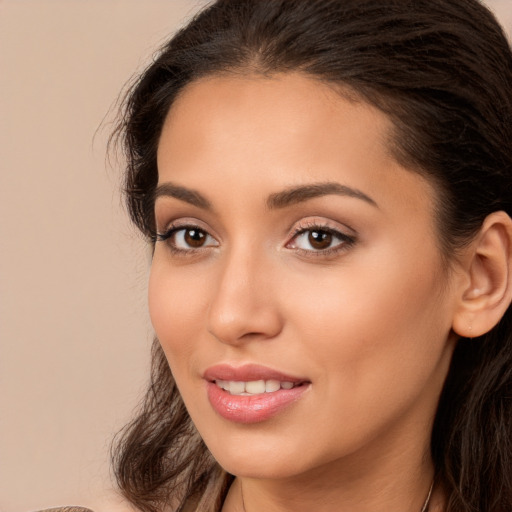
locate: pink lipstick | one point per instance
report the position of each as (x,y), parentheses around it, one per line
(251,393)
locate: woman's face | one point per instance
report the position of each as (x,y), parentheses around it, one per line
(295,252)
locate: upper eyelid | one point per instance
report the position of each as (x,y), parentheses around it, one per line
(322,223)
(184,222)
(318,227)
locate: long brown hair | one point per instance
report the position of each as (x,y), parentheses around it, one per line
(442,71)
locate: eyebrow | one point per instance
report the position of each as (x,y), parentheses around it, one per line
(288,197)
(303,193)
(183,194)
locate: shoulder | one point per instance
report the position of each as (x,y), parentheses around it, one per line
(66,509)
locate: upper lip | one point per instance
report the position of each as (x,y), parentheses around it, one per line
(248,372)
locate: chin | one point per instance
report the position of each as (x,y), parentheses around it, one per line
(262,456)
(257,467)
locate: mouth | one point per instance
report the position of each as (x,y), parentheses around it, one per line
(252,393)
(254,387)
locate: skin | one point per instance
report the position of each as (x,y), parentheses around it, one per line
(368,323)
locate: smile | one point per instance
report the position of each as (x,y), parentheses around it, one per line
(253,387)
(252,393)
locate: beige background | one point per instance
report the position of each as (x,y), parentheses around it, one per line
(74,332)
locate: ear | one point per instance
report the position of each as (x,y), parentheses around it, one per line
(486,290)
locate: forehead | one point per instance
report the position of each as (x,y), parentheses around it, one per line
(290,120)
(263,100)
(278,114)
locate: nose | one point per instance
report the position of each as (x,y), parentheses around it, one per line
(244,303)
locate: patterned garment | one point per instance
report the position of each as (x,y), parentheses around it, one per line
(66,509)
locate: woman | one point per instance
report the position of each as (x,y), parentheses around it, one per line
(327,188)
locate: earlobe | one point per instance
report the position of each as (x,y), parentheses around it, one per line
(487,290)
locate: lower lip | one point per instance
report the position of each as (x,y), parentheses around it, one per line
(252,408)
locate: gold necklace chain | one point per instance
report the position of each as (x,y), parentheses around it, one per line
(427,501)
(423,509)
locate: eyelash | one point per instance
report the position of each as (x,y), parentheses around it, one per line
(172,231)
(345,241)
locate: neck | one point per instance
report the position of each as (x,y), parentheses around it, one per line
(379,484)
(248,498)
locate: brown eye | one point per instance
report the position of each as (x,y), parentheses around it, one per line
(187,238)
(194,237)
(320,239)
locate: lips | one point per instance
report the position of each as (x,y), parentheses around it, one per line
(251,393)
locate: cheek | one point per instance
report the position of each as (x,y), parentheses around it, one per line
(176,301)
(380,312)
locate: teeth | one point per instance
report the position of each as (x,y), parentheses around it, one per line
(236,388)
(223,384)
(272,385)
(253,387)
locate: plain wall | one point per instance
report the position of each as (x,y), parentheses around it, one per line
(74,332)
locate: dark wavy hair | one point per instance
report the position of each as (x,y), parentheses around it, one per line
(442,72)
